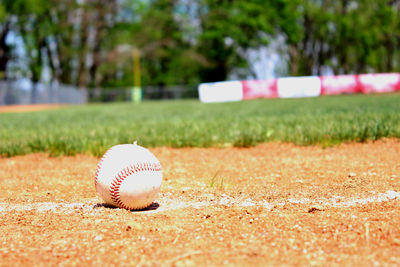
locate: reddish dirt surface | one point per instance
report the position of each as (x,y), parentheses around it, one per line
(274,204)
(29,108)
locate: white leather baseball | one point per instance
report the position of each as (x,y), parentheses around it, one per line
(128,176)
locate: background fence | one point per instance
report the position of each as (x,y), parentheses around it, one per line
(306,86)
(20,93)
(148,93)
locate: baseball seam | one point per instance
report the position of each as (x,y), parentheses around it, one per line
(122,175)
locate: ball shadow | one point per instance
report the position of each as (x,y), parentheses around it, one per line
(153,206)
(104,205)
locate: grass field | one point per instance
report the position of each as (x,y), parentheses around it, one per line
(94,128)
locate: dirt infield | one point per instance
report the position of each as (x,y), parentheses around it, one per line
(29,108)
(272,204)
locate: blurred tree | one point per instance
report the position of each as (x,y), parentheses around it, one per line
(104,17)
(5,28)
(82,31)
(228,30)
(380,37)
(288,21)
(68,33)
(344,36)
(167,57)
(34,25)
(89,43)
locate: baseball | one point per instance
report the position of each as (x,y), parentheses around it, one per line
(128,176)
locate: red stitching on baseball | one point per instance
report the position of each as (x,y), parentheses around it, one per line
(122,175)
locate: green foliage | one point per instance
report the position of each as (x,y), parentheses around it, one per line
(3,12)
(230,28)
(167,58)
(93,129)
(347,36)
(90,42)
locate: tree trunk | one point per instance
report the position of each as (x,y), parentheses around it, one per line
(36,69)
(293,64)
(82,78)
(4,51)
(389,55)
(102,7)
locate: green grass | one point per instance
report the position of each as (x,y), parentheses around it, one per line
(217,182)
(94,128)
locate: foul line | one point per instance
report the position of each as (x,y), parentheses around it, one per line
(166,203)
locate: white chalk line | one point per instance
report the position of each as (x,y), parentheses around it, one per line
(168,203)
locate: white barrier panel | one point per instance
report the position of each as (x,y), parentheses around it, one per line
(379,83)
(221,91)
(299,87)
